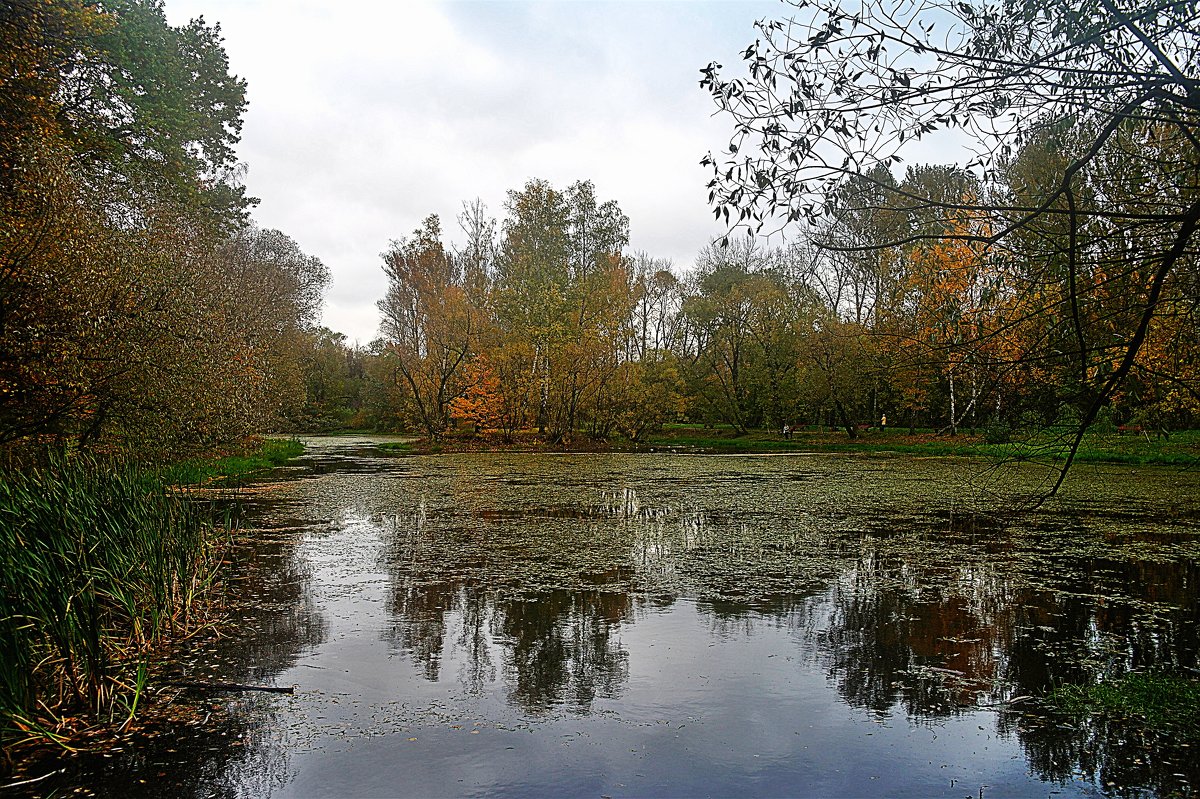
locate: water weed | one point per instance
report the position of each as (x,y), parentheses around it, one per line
(98,565)
(1168,703)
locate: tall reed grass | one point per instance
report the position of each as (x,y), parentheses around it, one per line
(97,564)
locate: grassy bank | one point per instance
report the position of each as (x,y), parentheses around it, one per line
(233,468)
(101,565)
(1181,449)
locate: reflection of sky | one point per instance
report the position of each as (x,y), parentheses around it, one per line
(632,670)
(699,714)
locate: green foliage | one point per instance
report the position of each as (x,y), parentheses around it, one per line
(1168,703)
(998,432)
(98,563)
(155,105)
(333,377)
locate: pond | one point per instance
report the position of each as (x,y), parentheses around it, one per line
(683,625)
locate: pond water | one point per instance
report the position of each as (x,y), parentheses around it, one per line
(683,625)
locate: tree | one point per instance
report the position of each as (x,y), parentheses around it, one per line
(838,365)
(137,309)
(532,280)
(836,91)
(745,322)
(332,375)
(654,321)
(429,324)
(562,294)
(481,402)
(152,108)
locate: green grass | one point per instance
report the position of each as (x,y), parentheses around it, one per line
(1182,449)
(234,469)
(1164,702)
(98,564)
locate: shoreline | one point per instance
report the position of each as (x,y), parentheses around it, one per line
(1182,450)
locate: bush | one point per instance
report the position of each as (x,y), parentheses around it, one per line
(998,432)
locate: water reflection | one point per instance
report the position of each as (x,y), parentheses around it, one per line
(648,625)
(924,615)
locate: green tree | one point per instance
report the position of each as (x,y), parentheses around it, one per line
(745,321)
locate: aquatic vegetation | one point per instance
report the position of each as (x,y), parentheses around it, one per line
(828,608)
(1168,703)
(98,564)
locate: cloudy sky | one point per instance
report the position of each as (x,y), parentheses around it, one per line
(366,116)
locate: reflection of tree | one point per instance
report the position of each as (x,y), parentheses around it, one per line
(475,641)
(926,614)
(937,622)
(557,647)
(421,628)
(888,645)
(560,647)
(1109,616)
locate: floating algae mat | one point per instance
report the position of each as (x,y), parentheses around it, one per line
(684,625)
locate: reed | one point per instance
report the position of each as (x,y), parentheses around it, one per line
(98,563)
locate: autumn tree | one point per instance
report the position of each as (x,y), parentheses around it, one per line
(838,361)
(836,90)
(563,293)
(429,325)
(948,290)
(138,310)
(654,323)
(481,401)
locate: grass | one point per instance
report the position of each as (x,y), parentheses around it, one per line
(1182,449)
(98,564)
(102,564)
(1165,702)
(234,469)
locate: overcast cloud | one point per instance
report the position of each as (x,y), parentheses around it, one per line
(366,116)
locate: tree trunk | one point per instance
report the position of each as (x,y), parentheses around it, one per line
(851,430)
(953,407)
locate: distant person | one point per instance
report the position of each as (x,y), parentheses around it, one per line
(787,431)
(883,421)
